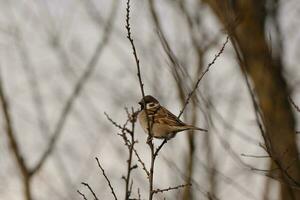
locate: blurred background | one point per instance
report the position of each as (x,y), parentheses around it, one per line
(64,63)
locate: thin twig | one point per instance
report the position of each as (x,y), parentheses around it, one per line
(108,181)
(294,104)
(136,60)
(116,124)
(194,89)
(202,75)
(81,194)
(171,188)
(90,189)
(128,188)
(141,162)
(128,28)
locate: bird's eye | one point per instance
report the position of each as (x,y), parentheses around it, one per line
(151,104)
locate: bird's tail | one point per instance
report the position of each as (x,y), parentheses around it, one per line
(190,127)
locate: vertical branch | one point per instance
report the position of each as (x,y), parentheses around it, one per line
(149,140)
(14,144)
(137,61)
(130,151)
(77,89)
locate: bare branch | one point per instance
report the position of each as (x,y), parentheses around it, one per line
(91,190)
(128,28)
(108,181)
(294,104)
(171,188)
(81,194)
(130,167)
(139,194)
(149,140)
(116,124)
(14,144)
(141,162)
(202,75)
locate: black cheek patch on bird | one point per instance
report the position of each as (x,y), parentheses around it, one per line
(142,105)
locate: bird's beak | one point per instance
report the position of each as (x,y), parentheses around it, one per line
(142,105)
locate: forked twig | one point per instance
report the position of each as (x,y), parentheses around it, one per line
(81,194)
(90,189)
(116,124)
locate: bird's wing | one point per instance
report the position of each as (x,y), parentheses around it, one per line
(163,116)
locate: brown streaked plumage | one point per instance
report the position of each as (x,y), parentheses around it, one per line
(163,123)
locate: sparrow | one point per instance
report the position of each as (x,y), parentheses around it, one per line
(163,124)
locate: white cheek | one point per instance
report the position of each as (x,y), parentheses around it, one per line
(149,106)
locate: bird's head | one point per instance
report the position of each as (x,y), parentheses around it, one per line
(148,102)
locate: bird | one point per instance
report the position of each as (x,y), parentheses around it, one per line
(163,123)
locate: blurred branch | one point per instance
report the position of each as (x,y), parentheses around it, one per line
(33,82)
(194,89)
(13,142)
(193,181)
(178,71)
(259,116)
(78,87)
(254,156)
(228,180)
(294,104)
